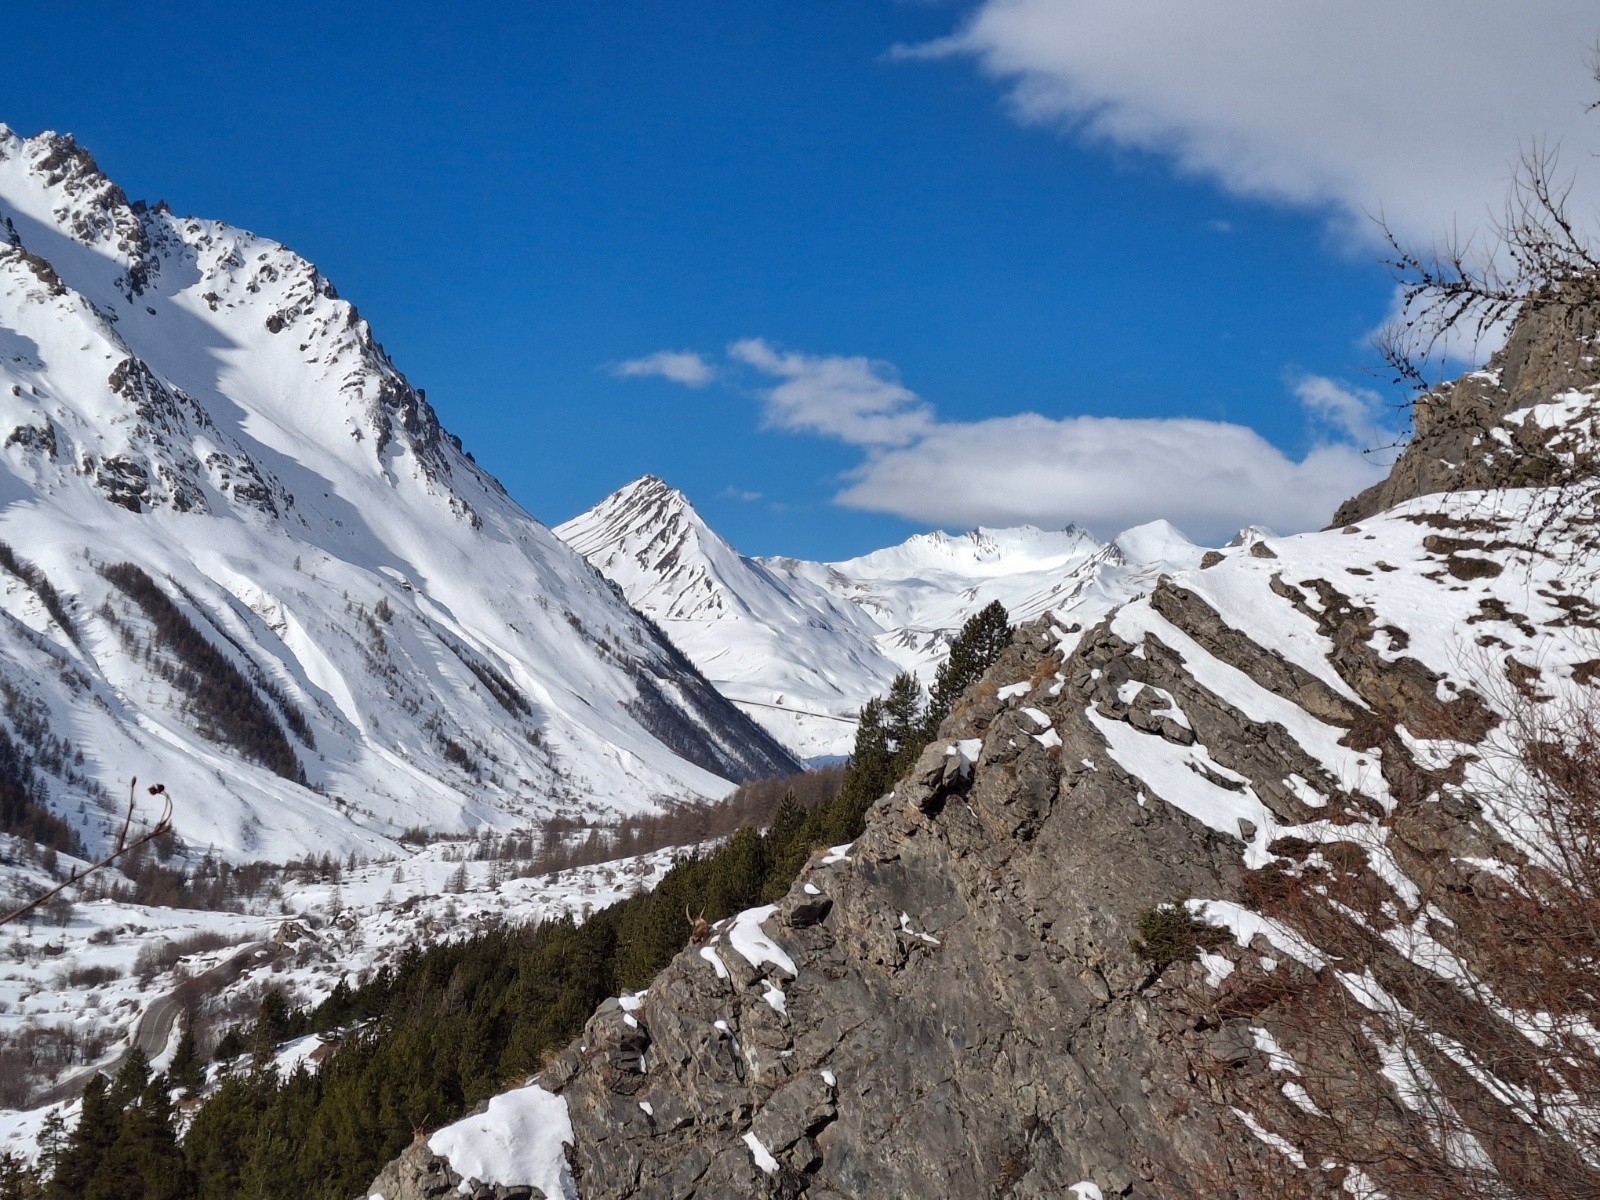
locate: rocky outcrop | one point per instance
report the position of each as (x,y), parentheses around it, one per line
(1273,755)
(420,1174)
(1477,432)
(965,1017)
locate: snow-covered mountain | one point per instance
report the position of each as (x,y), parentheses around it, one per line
(792,654)
(1275,881)
(242,557)
(801,645)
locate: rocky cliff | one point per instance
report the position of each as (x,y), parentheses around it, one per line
(1209,899)
(1481,431)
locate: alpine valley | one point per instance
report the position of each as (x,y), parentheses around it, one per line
(244,559)
(1270,870)
(241,558)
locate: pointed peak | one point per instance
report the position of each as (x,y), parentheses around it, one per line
(648,492)
(640,509)
(1249,534)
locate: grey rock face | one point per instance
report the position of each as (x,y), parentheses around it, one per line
(419,1174)
(968,1016)
(1463,437)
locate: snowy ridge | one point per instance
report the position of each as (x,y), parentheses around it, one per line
(797,658)
(800,645)
(199,402)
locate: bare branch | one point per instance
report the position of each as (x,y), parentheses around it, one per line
(1463,289)
(121,846)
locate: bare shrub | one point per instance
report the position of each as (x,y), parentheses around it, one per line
(1447,1050)
(163,954)
(88,977)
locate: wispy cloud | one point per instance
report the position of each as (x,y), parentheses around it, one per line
(1210,478)
(680,366)
(856,400)
(1357,414)
(1108,473)
(743,495)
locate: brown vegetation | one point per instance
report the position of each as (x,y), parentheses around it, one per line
(1449,1048)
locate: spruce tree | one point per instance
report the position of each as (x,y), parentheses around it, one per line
(17,1180)
(187,1071)
(98,1126)
(130,1081)
(53,1142)
(144,1163)
(974,650)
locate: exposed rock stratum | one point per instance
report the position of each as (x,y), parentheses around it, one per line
(953,1007)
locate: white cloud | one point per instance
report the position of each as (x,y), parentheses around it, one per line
(856,400)
(1358,414)
(1107,473)
(680,366)
(1414,109)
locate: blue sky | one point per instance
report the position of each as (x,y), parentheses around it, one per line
(1026,218)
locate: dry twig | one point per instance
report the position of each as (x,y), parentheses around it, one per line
(124,844)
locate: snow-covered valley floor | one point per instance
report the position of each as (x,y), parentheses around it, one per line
(92,979)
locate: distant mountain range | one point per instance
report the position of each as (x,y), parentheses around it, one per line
(801,645)
(241,557)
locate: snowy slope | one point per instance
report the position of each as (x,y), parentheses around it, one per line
(801,645)
(923,590)
(797,658)
(199,402)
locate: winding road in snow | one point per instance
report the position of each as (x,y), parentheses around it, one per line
(155,1025)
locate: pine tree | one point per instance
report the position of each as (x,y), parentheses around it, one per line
(787,846)
(871,761)
(187,1071)
(98,1126)
(17,1180)
(144,1163)
(53,1142)
(274,1024)
(902,712)
(974,650)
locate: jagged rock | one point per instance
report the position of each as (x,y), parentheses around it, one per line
(1463,435)
(972,1014)
(420,1174)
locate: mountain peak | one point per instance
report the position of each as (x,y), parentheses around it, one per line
(645,520)
(1156,541)
(201,436)
(802,645)
(985,550)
